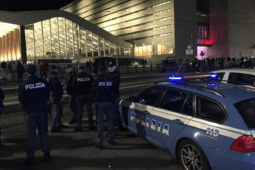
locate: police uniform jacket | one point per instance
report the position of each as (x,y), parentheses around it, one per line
(82,83)
(116,79)
(55,87)
(69,83)
(34,94)
(101,90)
(1,97)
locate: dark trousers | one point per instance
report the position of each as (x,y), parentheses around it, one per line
(81,100)
(32,120)
(44,74)
(115,110)
(105,108)
(20,78)
(72,106)
(56,120)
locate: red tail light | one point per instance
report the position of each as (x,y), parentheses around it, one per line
(244,144)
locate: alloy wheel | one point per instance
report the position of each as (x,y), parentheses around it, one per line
(191,158)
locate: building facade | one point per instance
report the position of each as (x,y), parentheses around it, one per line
(156,28)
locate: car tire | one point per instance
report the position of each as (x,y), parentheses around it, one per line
(198,158)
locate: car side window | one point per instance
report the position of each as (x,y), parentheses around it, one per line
(187,108)
(241,78)
(173,100)
(220,76)
(149,96)
(209,110)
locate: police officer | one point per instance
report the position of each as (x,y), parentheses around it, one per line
(1,105)
(56,95)
(70,90)
(82,84)
(116,79)
(102,89)
(33,95)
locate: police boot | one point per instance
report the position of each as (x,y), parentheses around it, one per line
(47,157)
(29,162)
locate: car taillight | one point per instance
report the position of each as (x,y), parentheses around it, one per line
(244,144)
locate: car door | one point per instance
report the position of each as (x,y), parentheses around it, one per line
(170,116)
(140,110)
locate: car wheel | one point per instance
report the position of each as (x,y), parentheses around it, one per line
(192,157)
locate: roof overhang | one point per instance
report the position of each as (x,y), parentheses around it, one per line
(25,18)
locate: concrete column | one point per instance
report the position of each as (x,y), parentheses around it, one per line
(23,45)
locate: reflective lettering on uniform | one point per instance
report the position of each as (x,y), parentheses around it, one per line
(159,126)
(108,83)
(83,79)
(137,119)
(148,122)
(142,121)
(165,129)
(132,116)
(35,86)
(153,124)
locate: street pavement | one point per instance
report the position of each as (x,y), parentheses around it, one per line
(75,150)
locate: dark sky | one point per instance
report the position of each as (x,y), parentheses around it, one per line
(33,5)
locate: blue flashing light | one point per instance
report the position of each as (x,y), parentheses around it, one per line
(213,84)
(213,75)
(175,78)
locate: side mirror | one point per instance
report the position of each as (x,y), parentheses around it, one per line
(141,101)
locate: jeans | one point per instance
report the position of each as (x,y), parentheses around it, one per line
(81,100)
(72,106)
(105,108)
(20,78)
(56,120)
(32,120)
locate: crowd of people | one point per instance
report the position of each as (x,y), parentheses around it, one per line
(35,95)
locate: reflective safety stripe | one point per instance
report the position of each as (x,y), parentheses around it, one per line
(194,122)
(253,133)
(170,115)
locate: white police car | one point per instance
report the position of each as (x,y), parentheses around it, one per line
(237,75)
(205,125)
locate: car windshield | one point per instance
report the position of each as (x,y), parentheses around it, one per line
(247,111)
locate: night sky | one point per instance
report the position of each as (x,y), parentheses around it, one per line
(34,5)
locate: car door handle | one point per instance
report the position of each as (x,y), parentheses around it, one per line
(178,121)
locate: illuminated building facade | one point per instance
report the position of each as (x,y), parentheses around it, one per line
(156,28)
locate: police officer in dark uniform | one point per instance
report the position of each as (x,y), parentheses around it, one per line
(115,76)
(70,90)
(82,84)
(102,89)
(1,105)
(56,95)
(33,95)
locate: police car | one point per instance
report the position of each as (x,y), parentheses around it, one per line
(245,76)
(205,124)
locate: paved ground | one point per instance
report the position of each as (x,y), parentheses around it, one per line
(75,150)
